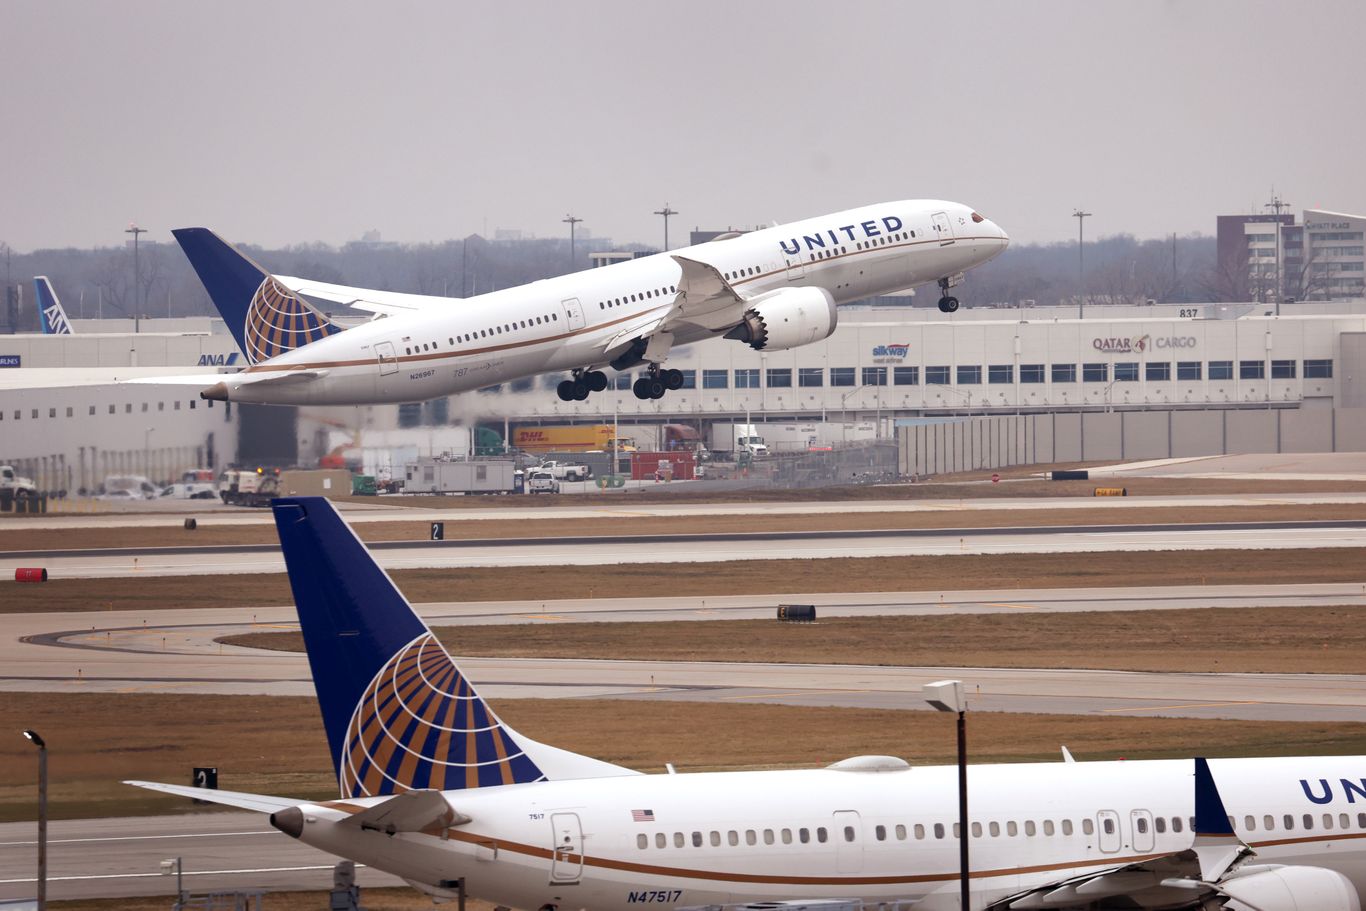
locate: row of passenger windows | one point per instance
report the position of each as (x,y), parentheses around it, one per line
(544,320)
(1030,828)
(749,271)
(36,413)
(637,297)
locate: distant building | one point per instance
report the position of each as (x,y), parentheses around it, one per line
(1262,257)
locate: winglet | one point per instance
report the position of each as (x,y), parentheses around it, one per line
(1216,844)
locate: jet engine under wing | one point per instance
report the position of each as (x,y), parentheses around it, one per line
(368,299)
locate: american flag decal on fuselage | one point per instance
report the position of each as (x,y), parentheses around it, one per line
(642,815)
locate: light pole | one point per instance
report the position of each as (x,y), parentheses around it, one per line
(137,275)
(947,696)
(1277,204)
(176,866)
(666,212)
(147,452)
(1081,217)
(571,221)
(42,817)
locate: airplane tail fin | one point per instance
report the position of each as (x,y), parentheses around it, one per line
(399,713)
(50,311)
(265,317)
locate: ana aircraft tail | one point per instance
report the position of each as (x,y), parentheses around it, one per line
(265,317)
(399,714)
(50,311)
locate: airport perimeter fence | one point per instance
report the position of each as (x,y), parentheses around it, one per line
(941,446)
(864,463)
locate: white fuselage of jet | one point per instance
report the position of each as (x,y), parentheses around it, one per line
(879,834)
(577,320)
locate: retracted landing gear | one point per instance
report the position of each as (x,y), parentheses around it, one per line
(948,303)
(654,384)
(584,382)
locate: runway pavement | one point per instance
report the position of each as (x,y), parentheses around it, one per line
(614,506)
(175,651)
(703,548)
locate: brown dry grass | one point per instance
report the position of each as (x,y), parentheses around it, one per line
(781,577)
(174,535)
(95,740)
(1262,640)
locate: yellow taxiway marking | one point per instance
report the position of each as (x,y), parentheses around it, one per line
(1184,705)
(797,693)
(552,617)
(1008,604)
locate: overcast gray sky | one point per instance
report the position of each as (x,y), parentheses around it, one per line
(289,122)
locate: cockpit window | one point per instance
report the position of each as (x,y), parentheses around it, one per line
(977,218)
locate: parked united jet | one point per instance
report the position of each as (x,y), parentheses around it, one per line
(50,310)
(436,788)
(772,289)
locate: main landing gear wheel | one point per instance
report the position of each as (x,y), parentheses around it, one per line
(596,380)
(572,390)
(948,304)
(673,379)
(649,387)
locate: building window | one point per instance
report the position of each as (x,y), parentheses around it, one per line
(747,379)
(1157,372)
(1251,370)
(936,376)
(1064,373)
(1221,370)
(1001,373)
(811,377)
(779,378)
(875,376)
(906,376)
(1282,370)
(689,379)
(1095,373)
(1031,373)
(1126,372)
(1318,369)
(1188,370)
(969,376)
(715,379)
(841,376)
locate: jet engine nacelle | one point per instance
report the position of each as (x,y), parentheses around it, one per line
(1277,888)
(786,319)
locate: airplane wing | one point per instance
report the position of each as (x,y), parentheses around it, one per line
(705,300)
(244,378)
(1211,866)
(368,299)
(261,803)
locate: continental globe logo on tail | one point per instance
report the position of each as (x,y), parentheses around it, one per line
(877,227)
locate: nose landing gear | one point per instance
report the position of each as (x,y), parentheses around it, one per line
(948,303)
(578,388)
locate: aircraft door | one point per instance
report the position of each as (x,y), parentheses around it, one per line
(566,861)
(796,268)
(847,831)
(573,313)
(1141,830)
(942,227)
(1109,838)
(388,358)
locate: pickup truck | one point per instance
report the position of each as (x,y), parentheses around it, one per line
(565,471)
(541,482)
(20,486)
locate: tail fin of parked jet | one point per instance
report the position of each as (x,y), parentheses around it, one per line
(265,317)
(50,311)
(399,713)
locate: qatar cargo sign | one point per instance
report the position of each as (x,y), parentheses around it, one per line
(1142,343)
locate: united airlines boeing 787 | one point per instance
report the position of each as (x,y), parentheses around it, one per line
(772,289)
(435,788)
